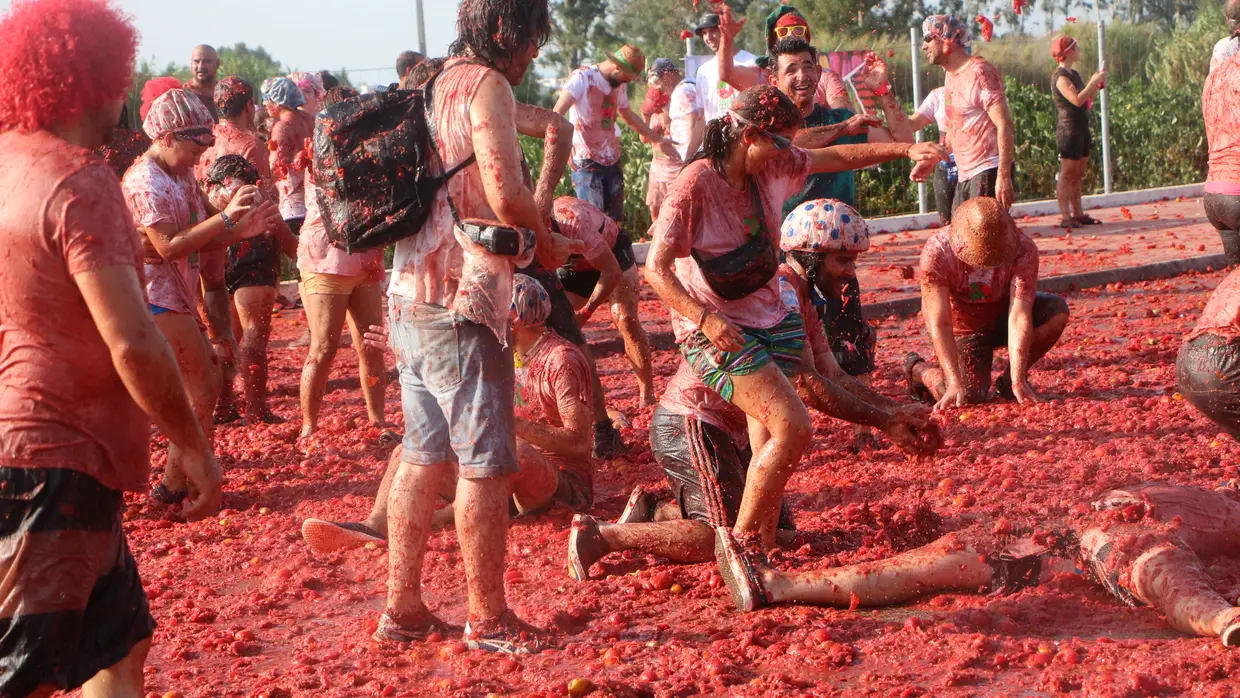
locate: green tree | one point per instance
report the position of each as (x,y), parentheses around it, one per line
(251,64)
(581,33)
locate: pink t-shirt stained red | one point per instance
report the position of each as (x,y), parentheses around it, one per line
(703,212)
(317,255)
(581,220)
(156,197)
(62,404)
(1222,313)
(688,396)
(980,297)
(1219,101)
(557,379)
(596,132)
(967,96)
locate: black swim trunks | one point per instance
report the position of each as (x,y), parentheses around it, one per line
(253,262)
(1208,376)
(73,603)
(977,351)
(582,282)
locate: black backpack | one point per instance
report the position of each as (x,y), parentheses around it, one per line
(374,165)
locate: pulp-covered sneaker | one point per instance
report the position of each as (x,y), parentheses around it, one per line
(607,441)
(506,634)
(329,536)
(585,546)
(916,390)
(737,567)
(640,508)
(413,627)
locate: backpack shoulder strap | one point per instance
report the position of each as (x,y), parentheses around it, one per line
(428,101)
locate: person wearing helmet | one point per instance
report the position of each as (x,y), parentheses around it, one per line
(979,283)
(821,240)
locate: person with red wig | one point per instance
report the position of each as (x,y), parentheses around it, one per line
(168,208)
(85,370)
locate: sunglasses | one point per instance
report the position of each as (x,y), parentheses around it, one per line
(205,139)
(798,30)
(780,142)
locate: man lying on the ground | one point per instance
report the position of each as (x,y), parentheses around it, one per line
(1143,544)
(979,283)
(605,273)
(1208,366)
(553,435)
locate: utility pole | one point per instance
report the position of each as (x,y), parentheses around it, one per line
(421,28)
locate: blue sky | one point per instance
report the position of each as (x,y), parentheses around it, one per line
(302,34)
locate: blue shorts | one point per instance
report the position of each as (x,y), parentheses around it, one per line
(600,185)
(157,310)
(456,388)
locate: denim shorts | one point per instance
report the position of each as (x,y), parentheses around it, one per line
(456,385)
(601,185)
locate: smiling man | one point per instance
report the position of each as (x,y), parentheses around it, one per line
(204,68)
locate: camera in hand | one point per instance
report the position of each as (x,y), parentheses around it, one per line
(498,239)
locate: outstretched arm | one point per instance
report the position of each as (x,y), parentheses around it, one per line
(843,158)
(557,136)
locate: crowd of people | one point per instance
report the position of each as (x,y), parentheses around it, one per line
(158,252)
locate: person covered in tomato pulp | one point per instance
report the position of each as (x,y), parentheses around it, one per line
(979,293)
(85,370)
(1144,544)
(980,130)
(596,99)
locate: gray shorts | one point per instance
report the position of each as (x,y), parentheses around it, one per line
(456,386)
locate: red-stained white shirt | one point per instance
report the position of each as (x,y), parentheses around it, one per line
(703,212)
(556,379)
(581,220)
(62,403)
(439,266)
(1220,105)
(683,106)
(155,197)
(968,94)
(288,139)
(595,114)
(317,255)
(979,297)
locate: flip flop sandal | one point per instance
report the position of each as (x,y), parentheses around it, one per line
(390,438)
(330,536)
(1087,220)
(916,391)
(390,630)
(1068,224)
(167,497)
(229,416)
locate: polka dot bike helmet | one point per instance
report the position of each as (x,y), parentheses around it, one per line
(824,225)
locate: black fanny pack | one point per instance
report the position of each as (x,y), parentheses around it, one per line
(736,274)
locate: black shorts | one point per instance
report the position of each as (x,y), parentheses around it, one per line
(981,184)
(944,190)
(1074,144)
(1222,210)
(852,339)
(254,262)
(294,224)
(1208,374)
(704,468)
(582,283)
(977,351)
(73,603)
(563,319)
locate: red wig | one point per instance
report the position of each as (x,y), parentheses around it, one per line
(153,90)
(62,58)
